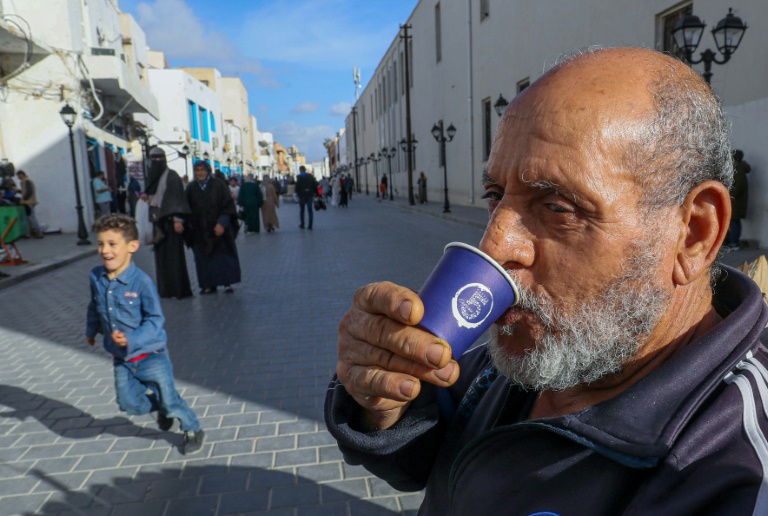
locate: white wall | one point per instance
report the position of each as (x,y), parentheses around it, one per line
(522,39)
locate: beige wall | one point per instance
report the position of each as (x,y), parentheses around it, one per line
(234,104)
(521,39)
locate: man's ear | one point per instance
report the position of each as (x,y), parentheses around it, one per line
(133,246)
(705,216)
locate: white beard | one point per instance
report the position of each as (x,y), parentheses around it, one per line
(595,339)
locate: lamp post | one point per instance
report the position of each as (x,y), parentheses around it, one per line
(728,33)
(184,153)
(437,132)
(500,105)
(408,145)
(376,158)
(366,161)
(389,154)
(143,138)
(68,115)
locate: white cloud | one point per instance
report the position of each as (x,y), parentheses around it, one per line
(305,107)
(308,139)
(340,110)
(173,28)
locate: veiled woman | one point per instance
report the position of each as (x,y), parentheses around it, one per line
(211,231)
(168,210)
(271,201)
(251,200)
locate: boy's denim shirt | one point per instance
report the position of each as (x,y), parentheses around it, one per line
(128,303)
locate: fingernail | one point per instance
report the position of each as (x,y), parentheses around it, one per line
(406,388)
(435,354)
(405,310)
(444,374)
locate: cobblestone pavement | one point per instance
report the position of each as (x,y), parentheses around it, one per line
(253,365)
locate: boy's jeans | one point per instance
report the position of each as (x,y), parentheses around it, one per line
(156,373)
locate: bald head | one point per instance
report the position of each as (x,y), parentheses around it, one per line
(663,116)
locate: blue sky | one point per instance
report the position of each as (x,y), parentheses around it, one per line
(295,57)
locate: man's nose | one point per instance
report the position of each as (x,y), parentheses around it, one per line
(507,240)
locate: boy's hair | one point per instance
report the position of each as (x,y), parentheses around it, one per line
(117,222)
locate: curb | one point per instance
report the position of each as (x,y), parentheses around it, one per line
(42,269)
(445,216)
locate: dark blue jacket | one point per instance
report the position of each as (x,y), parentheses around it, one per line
(689,438)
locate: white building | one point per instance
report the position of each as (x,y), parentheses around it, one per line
(97,64)
(263,151)
(463,55)
(189,114)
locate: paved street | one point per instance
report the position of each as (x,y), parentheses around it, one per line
(253,365)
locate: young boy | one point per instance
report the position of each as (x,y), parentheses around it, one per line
(125,306)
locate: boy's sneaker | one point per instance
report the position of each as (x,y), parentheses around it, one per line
(193,442)
(164,422)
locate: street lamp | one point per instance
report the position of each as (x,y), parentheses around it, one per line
(389,154)
(184,153)
(68,115)
(500,105)
(728,33)
(408,145)
(437,132)
(376,158)
(366,161)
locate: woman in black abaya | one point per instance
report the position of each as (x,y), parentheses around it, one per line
(211,231)
(168,210)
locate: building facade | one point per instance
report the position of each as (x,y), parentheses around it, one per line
(97,63)
(463,55)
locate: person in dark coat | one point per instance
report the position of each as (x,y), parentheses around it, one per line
(211,231)
(168,210)
(251,200)
(422,183)
(739,198)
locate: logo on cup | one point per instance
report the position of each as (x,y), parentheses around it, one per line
(472,305)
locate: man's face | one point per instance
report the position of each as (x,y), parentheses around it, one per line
(200,172)
(565,222)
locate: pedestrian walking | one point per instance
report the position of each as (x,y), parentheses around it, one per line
(383,186)
(350,184)
(125,307)
(306,188)
(325,189)
(422,184)
(29,201)
(336,190)
(271,201)
(211,231)
(739,198)
(251,200)
(168,211)
(102,193)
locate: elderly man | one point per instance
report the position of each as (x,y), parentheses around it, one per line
(630,379)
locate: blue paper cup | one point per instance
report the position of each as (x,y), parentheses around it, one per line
(464,295)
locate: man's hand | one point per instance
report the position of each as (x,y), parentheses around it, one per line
(143,197)
(382,357)
(91,340)
(119,338)
(218,229)
(178,227)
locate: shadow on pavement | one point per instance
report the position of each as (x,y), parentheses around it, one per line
(69,421)
(212,490)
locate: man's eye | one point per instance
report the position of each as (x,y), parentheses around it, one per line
(559,208)
(491,196)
